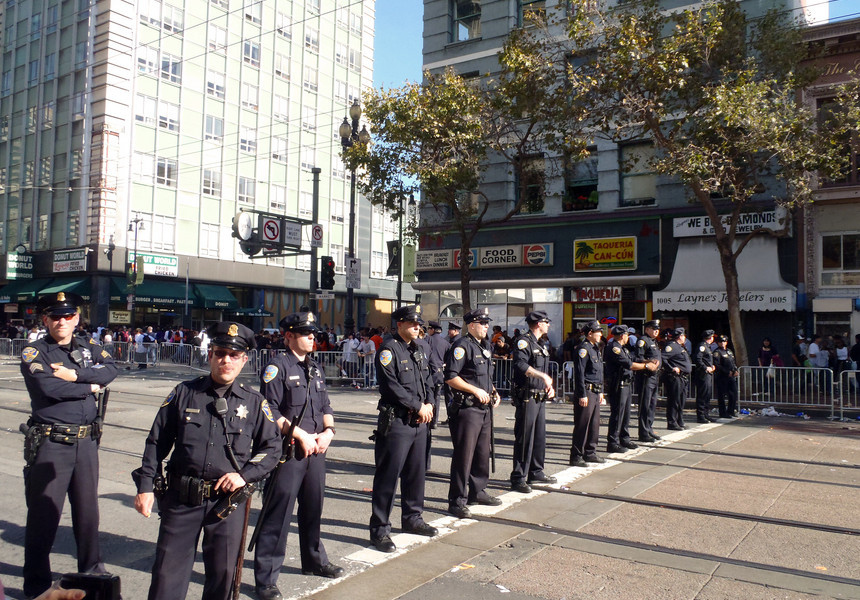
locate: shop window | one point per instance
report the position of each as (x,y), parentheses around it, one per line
(581,184)
(638,179)
(465,20)
(840,259)
(529,184)
(827,107)
(531,9)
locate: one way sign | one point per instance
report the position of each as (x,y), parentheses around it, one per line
(353,273)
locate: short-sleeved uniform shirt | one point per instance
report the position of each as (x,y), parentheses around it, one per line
(403,373)
(285,385)
(529,353)
(472,361)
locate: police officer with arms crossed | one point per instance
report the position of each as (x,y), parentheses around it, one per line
(619,374)
(401,437)
(63,373)
(532,388)
(469,375)
(287,382)
(223,437)
(588,394)
(726,378)
(704,377)
(438,347)
(648,351)
(676,373)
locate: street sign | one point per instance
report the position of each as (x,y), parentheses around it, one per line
(353,273)
(323,296)
(316,236)
(292,234)
(271,229)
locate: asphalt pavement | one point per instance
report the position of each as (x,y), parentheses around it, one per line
(754,508)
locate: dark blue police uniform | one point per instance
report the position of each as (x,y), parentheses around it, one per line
(675,355)
(726,380)
(647,351)
(703,359)
(618,376)
(588,383)
(67,461)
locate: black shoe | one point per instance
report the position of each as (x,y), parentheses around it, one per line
(655,436)
(421,528)
(522,487)
(676,428)
(629,445)
(269,592)
(542,478)
(705,420)
(615,449)
(577,462)
(328,570)
(485,499)
(647,439)
(383,544)
(593,458)
(461,512)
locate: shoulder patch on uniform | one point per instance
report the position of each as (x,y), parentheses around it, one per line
(583,353)
(385,358)
(459,353)
(616,349)
(264,406)
(522,344)
(640,343)
(36,367)
(92,341)
(169,399)
(270,373)
(105,354)
(668,348)
(701,348)
(29,354)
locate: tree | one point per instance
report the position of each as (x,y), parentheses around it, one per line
(440,138)
(716,91)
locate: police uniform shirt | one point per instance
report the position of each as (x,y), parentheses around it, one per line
(675,355)
(472,361)
(55,400)
(188,423)
(647,350)
(704,358)
(529,353)
(285,386)
(436,358)
(403,374)
(618,362)
(724,360)
(588,368)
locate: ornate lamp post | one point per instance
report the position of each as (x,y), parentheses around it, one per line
(135,225)
(410,207)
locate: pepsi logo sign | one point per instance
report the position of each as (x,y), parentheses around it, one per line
(538,254)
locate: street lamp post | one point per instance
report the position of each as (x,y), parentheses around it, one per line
(135,225)
(410,207)
(349,135)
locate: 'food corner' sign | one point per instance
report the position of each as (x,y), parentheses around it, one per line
(604,254)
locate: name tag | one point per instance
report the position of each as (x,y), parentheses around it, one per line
(294,376)
(192,410)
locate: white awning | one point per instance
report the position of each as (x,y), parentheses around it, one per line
(698,284)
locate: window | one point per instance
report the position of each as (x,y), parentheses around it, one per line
(35,27)
(42,232)
(249,96)
(74,218)
(247,139)
(309,157)
(214,129)
(48,115)
(310,79)
(78,163)
(313,6)
(53,15)
(306,205)
(826,108)
(465,20)
(79,106)
(45,170)
(145,109)
(212,182)
(81,50)
(150,12)
(50,70)
(638,180)
(282,66)
(168,116)
(6,84)
(377,264)
(355,23)
(165,171)
(336,208)
(340,91)
(251,53)
(173,19)
(147,60)
(280,108)
(217,39)
(354,59)
(220,4)
(531,9)
(309,118)
(171,68)
(32,116)
(210,234)
(4,128)
(34,72)
(339,257)
(312,39)
(840,259)
(343,17)
(254,11)
(247,190)
(142,167)
(278,198)
(279,149)
(530,182)
(29,172)
(580,180)
(284,25)
(341,55)
(215,84)
(164,229)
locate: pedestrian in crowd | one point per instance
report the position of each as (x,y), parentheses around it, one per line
(295,387)
(453,332)
(224,437)
(766,352)
(704,377)
(841,351)
(648,351)
(349,358)
(35,333)
(820,359)
(676,375)
(532,388)
(619,365)
(502,368)
(401,436)
(438,347)
(588,394)
(366,351)
(798,356)
(726,379)
(63,374)
(632,339)
(854,355)
(469,375)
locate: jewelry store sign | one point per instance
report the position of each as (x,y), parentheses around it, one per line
(70,261)
(701,226)
(488,257)
(158,264)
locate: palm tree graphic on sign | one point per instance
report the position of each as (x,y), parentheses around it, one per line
(583,251)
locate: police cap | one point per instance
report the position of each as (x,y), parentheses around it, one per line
(409,312)
(434,325)
(537,316)
(722,338)
(453,327)
(679,331)
(707,333)
(620,330)
(480,315)
(591,326)
(59,304)
(228,334)
(655,324)
(669,334)
(299,322)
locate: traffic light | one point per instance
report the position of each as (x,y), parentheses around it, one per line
(327,273)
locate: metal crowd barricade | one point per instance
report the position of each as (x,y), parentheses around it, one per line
(849,390)
(178,354)
(798,387)
(18,346)
(6,347)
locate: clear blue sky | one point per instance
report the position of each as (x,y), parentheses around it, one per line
(843,9)
(397,56)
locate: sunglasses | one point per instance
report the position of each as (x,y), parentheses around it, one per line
(62,317)
(233,354)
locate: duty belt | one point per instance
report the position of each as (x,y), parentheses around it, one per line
(192,490)
(597,388)
(64,432)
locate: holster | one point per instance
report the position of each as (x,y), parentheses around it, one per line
(32,440)
(228,504)
(193,491)
(384,422)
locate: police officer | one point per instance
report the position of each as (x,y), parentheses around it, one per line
(648,351)
(406,410)
(223,437)
(676,374)
(453,332)
(726,379)
(532,388)
(588,395)
(704,376)
(619,378)
(289,382)
(63,373)
(438,347)
(469,375)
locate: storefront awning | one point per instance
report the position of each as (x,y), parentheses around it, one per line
(215,296)
(481,284)
(697,280)
(80,286)
(251,312)
(154,292)
(23,290)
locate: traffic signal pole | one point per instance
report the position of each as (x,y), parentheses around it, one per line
(314,283)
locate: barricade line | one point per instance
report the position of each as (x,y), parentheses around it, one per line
(789,386)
